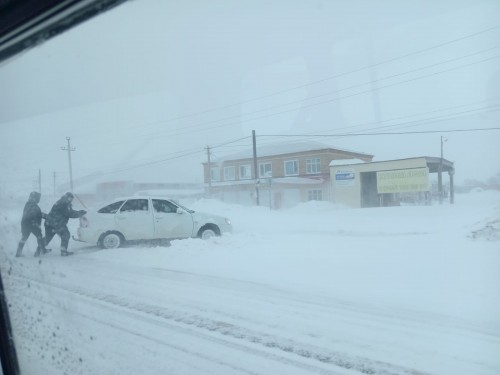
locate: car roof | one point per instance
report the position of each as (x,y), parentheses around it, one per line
(141,197)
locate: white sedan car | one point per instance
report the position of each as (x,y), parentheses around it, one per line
(147,218)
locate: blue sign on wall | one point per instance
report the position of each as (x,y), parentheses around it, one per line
(345,177)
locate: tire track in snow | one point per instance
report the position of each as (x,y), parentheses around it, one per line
(158,319)
(248,336)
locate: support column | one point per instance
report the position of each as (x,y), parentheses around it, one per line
(255,168)
(452,186)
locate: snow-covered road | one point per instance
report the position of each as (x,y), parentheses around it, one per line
(315,290)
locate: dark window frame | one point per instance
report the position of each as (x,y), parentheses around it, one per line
(112,208)
(137,208)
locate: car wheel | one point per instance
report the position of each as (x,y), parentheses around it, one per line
(207,233)
(111,240)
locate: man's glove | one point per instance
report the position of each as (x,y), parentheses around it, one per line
(82,212)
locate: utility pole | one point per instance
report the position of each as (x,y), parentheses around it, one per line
(256,171)
(440,173)
(69,149)
(209,173)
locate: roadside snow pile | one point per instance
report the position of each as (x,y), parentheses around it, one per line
(489,230)
(317,206)
(215,206)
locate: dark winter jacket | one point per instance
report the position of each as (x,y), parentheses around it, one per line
(61,212)
(32,214)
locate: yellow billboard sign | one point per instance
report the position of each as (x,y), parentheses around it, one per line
(403,180)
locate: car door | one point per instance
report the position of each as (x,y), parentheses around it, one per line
(171,221)
(135,219)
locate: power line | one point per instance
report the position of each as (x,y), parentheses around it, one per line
(175,155)
(448,116)
(416,115)
(184,153)
(316,82)
(201,151)
(430,119)
(372,134)
(384,133)
(328,101)
(367,91)
(340,90)
(401,125)
(230,142)
(412,123)
(415,123)
(117,170)
(332,77)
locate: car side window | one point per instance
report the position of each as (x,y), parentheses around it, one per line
(111,208)
(164,206)
(135,205)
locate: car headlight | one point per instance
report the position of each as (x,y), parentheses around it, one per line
(228,222)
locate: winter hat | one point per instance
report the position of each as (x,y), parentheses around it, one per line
(35,196)
(68,195)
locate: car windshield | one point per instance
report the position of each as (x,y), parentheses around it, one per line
(184,207)
(342,158)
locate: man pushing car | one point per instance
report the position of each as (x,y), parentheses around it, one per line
(57,220)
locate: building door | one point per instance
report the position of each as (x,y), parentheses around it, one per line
(277,201)
(291,197)
(369,195)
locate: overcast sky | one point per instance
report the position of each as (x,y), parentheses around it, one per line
(161,80)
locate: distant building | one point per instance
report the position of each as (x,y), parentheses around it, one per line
(100,188)
(287,174)
(177,191)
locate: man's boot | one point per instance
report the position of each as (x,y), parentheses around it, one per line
(42,247)
(41,251)
(45,250)
(19,251)
(65,253)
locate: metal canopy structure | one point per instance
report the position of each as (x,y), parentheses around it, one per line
(440,165)
(367,184)
(434,163)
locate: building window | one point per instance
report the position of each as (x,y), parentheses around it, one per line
(291,168)
(229,173)
(265,170)
(315,195)
(313,166)
(214,174)
(245,172)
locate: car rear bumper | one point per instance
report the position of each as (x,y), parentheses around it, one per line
(86,235)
